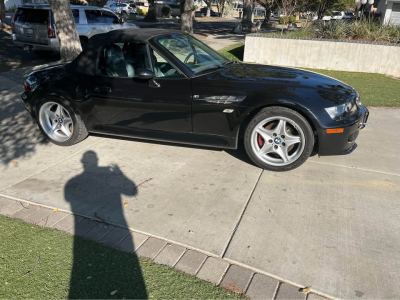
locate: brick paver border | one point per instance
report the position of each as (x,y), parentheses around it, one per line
(219,271)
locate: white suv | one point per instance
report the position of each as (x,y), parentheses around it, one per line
(122,8)
(33,26)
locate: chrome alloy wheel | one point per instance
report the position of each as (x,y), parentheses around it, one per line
(56,121)
(277,141)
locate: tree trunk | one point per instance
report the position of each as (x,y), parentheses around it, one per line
(208,9)
(151,14)
(187,12)
(267,17)
(247,13)
(70,46)
(222,8)
(321,10)
(3,14)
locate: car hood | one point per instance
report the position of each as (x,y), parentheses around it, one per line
(263,76)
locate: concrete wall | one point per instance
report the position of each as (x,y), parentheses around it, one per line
(329,55)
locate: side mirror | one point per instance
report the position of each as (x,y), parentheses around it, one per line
(142,73)
(120,21)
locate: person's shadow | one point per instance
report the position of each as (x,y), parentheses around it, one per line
(100,272)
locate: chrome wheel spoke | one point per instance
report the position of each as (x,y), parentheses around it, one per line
(59,111)
(281,128)
(51,115)
(65,130)
(67,121)
(291,140)
(266,148)
(265,133)
(55,126)
(282,152)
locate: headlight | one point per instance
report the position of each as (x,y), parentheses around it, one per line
(358,100)
(342,111)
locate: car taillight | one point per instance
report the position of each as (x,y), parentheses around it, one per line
(25,87)
(129,7)
(51,32)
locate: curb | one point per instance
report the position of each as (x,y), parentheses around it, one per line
(219,271)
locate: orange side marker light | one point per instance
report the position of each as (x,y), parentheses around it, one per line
(335,130)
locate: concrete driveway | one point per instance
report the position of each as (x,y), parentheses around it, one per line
(332,224)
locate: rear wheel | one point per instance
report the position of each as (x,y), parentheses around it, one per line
(278,139)
(60,123)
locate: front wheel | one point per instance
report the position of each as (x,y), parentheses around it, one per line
(278,139)
(59,122)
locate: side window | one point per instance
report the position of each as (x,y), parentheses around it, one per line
(75,12)
(101,16)
(113,5)
(109,17)
(123,59)
(93,16)
(162,68)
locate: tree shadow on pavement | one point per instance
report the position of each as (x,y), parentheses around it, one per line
(97,192)
(13,58)
(19,134)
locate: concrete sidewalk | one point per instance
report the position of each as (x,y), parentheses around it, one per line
(332,224)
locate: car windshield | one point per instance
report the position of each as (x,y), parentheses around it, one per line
(194,54)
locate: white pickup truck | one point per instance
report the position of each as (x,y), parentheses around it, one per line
(33,26)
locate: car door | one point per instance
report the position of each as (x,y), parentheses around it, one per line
(126,103)
(101,21)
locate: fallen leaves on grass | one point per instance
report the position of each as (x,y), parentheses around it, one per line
(113,292)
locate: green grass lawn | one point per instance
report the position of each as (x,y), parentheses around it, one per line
(374,89)
(42,263)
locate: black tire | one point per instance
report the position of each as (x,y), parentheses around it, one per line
(79,132)
(276,111)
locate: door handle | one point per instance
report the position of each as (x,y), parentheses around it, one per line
(102,89)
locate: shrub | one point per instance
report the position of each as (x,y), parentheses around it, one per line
(141,12)
(364,30)
(166,11)
(11,9)
(328,13)
(285,20)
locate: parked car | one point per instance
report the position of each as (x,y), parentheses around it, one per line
(203,12)
(348,15)
(337,15)
(166,85)
(175,9)
(33,26)
(324,18)
(276,14)
(122,8)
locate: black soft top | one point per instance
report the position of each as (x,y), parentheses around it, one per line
(86,61)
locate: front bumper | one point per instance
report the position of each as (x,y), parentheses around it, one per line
(345,142)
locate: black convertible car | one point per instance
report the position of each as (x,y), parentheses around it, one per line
(166,85)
